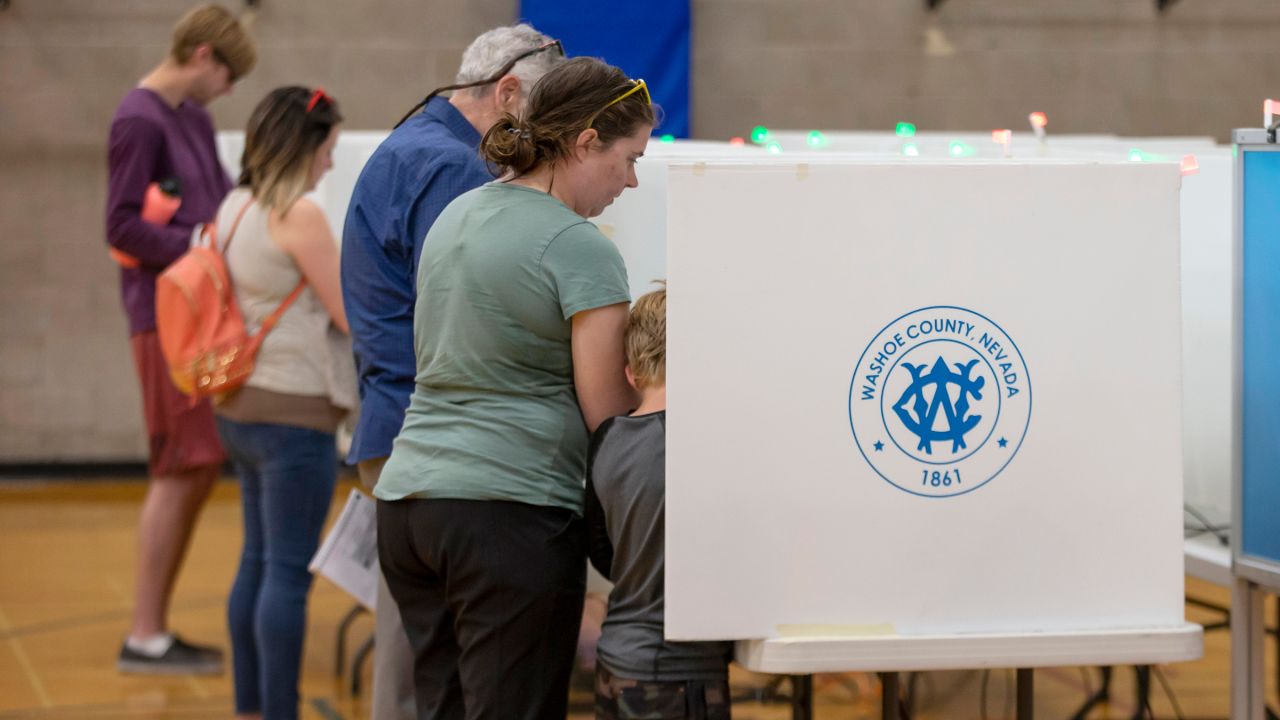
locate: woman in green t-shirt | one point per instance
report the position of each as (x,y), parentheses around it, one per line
(518,335)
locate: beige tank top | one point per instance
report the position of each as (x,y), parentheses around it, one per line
(303,354)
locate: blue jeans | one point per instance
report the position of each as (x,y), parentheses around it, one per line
(287,476)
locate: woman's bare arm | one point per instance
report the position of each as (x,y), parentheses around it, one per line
(598,362)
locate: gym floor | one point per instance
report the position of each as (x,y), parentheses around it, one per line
(66,563)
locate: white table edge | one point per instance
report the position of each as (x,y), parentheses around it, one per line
(895,653)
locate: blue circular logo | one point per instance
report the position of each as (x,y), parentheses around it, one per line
(940,401)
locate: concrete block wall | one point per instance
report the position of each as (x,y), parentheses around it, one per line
(1114,66)
(67,388)
(68,392)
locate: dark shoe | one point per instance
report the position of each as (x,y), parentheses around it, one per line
(181,658)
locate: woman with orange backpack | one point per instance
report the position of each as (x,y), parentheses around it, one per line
(278,427)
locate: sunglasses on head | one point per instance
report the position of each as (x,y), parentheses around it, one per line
(554,45)
(318,97)
(637,86)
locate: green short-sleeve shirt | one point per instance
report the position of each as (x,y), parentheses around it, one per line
(494,415)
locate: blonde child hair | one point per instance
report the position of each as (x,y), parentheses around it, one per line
(646,339)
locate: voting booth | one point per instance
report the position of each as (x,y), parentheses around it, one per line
(928,398)
(837,527)
(1256,516)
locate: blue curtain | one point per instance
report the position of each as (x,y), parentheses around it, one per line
(646,38)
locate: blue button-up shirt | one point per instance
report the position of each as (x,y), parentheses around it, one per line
(418,170)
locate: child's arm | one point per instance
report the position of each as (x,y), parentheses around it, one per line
(599,547)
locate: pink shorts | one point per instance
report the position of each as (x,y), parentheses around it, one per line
(181,433)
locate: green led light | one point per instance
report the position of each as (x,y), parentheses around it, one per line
(759,134)
(1136,155)
(667,138)
(773,147)
(905,129)
(910,149)
(960,149)
(816,139)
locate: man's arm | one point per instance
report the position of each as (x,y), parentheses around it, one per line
(132,151)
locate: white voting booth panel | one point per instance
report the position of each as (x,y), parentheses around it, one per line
(1056,280)
(1024,143)
(1207,289)
(333,194)
(1207,366)
(934,145)
(636,221)
(630,221)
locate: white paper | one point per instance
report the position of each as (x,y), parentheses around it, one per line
(349,554)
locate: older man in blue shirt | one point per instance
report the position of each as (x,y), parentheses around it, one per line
(428,160)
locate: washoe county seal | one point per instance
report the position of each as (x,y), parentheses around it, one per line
(940,401)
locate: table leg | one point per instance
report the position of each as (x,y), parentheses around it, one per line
(801,697)
(1026,691)
(889,696)
(1247,629)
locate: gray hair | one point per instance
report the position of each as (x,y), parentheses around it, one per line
(488,54)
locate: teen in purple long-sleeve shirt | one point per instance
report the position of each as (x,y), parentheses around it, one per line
(162,131)
(150,142)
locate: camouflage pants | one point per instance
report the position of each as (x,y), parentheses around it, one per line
(619,699)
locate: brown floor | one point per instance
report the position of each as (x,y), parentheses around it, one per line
(66,559)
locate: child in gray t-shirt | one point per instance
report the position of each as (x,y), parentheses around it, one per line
(638,672)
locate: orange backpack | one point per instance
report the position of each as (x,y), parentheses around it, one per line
(202,333)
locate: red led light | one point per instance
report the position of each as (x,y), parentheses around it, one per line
(1189,165)
(1039,119)
(1001,137)
(737,141)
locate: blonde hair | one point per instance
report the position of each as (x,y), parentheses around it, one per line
(215,25)
(646,339)
(284,132)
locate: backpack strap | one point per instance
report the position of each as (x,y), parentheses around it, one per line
(255,342)
(276,314)
(270,321)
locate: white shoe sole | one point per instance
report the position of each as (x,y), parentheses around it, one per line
(141,667)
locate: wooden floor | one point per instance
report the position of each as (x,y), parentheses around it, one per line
(66,568)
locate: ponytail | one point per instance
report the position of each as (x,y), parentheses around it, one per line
(520,146)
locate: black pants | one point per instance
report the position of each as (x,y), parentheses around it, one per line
(491,598)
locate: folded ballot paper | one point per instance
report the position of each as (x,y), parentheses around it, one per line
(349,554)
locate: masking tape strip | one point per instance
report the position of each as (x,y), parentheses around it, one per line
(699,168)
(802,171)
